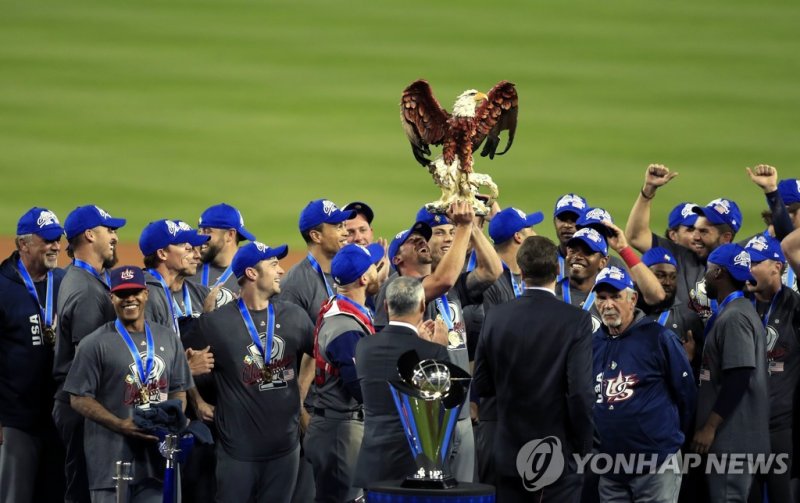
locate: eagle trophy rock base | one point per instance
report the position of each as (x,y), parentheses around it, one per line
(458,185)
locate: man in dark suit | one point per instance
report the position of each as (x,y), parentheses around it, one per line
(385,454)
(535,355)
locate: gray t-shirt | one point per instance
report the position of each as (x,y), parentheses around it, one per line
(84,304)
(157,309)
(304,287)
(691,268)
(230,288)
(736,339)
(257,420)
(578,298)
(105,370)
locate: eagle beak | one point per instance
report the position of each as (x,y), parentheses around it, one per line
(480,97)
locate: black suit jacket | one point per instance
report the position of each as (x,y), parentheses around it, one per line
(385,453)
(535,355)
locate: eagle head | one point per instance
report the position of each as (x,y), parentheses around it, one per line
(466,103)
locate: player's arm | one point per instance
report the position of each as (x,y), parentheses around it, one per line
(178,395)
(488,266)
(446,274)
(92,409)
(648,284)
(766,177)
(203,409)
(638,227)
(341,352)
(791,249)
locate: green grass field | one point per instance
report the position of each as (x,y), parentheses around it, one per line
(159,109)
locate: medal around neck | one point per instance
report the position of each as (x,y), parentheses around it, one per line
(429,395)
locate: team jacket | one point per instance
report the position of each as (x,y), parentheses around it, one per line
(26,383)
(645,390)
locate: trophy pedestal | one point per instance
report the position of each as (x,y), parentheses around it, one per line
(396,492)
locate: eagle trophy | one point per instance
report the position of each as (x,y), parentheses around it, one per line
(476,118)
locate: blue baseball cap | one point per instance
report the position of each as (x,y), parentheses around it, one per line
(419,227)
(591,238)
(659,255)
(615,277)
(162,233)
(593,216)
(509,221)
(763,247)
(89,217)
(353,260)
(572,203)
(252,253)
(361,208)
(225,216)
(733,258)
(721,211)
(126,277)
(42,222)
(322,211)
(682,214)
(432,219)
(789,191)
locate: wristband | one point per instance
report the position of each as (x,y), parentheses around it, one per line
(629,256)
(645,195)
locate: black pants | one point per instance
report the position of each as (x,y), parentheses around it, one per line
(70,427)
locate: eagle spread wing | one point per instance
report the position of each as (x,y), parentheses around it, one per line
(498,113)
(424,120)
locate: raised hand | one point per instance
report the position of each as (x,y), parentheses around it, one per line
(764,176)
(657,175)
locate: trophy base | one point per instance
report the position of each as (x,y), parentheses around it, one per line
(414,482)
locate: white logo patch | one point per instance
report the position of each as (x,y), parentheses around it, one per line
(260,246)
(183,226)
(46,218)
(686,211)
(126,274)
(589,233)
(743,259)
(571,200)
(598,214)
(521,214)
(328,207)
(758,243)
(399,234)
(172,227)
(721,206)
(612,272)
(102,212)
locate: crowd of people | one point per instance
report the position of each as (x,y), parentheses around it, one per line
(677,344)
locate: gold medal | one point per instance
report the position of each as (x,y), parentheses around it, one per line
(453,338)
(266,374)
(144,395)
(50,335)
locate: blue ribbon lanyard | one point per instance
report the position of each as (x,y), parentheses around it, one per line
(145,368)
(222,278)
(728,299)
(46,311)
(561,266)
(364,310)
(317,268)
(187,304)
(170,301)
(266,352)
(662,320)
(765,318)
(444,309)
(789,276)
(567,295)
(106,279)
(473,261)
(517,287)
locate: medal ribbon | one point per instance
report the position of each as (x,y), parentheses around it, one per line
(473,261)
(222,278)
(567,295)
(266,353)
(718,311)
(145,368)
(560,268)
(187,303)
(317,268)
(662,320)
(789,276)
(765,318)
(170,301)
(86,267)
(46,311)
(444,309)
(517,287)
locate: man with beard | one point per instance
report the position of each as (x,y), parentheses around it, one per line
(29,282)
(568,209)
(225,227)
(645,393)
(334,435)
(122,366)
(733,399)
(83,305)
(170,257)
(716,224)
(778,306)
(258,340)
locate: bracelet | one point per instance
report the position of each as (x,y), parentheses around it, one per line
(629,256)
(645,195)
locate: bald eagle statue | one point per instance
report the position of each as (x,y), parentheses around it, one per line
(477,119)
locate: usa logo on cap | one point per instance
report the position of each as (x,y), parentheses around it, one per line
(598,214)
(126,274)
(172,227)
(260,246)
(721,206)
(686,211)
(102,212)
(183,226)
(612,272)
(328,207)
(758,243)
(47,218)
(742,259)
(570,200)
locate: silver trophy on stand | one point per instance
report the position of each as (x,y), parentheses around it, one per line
(429,397)
(123,471)
(169,449)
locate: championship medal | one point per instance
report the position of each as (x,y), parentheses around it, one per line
(50,335)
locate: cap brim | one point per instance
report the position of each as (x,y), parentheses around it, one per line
(534,218)
(340,216)
(129,286)
(50,234)
(246,234)
(616,285)
(420,228)
(359,207)
(376,252)
(568,209)
(113,223)
(591,244)
(710,215)
(279,252)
